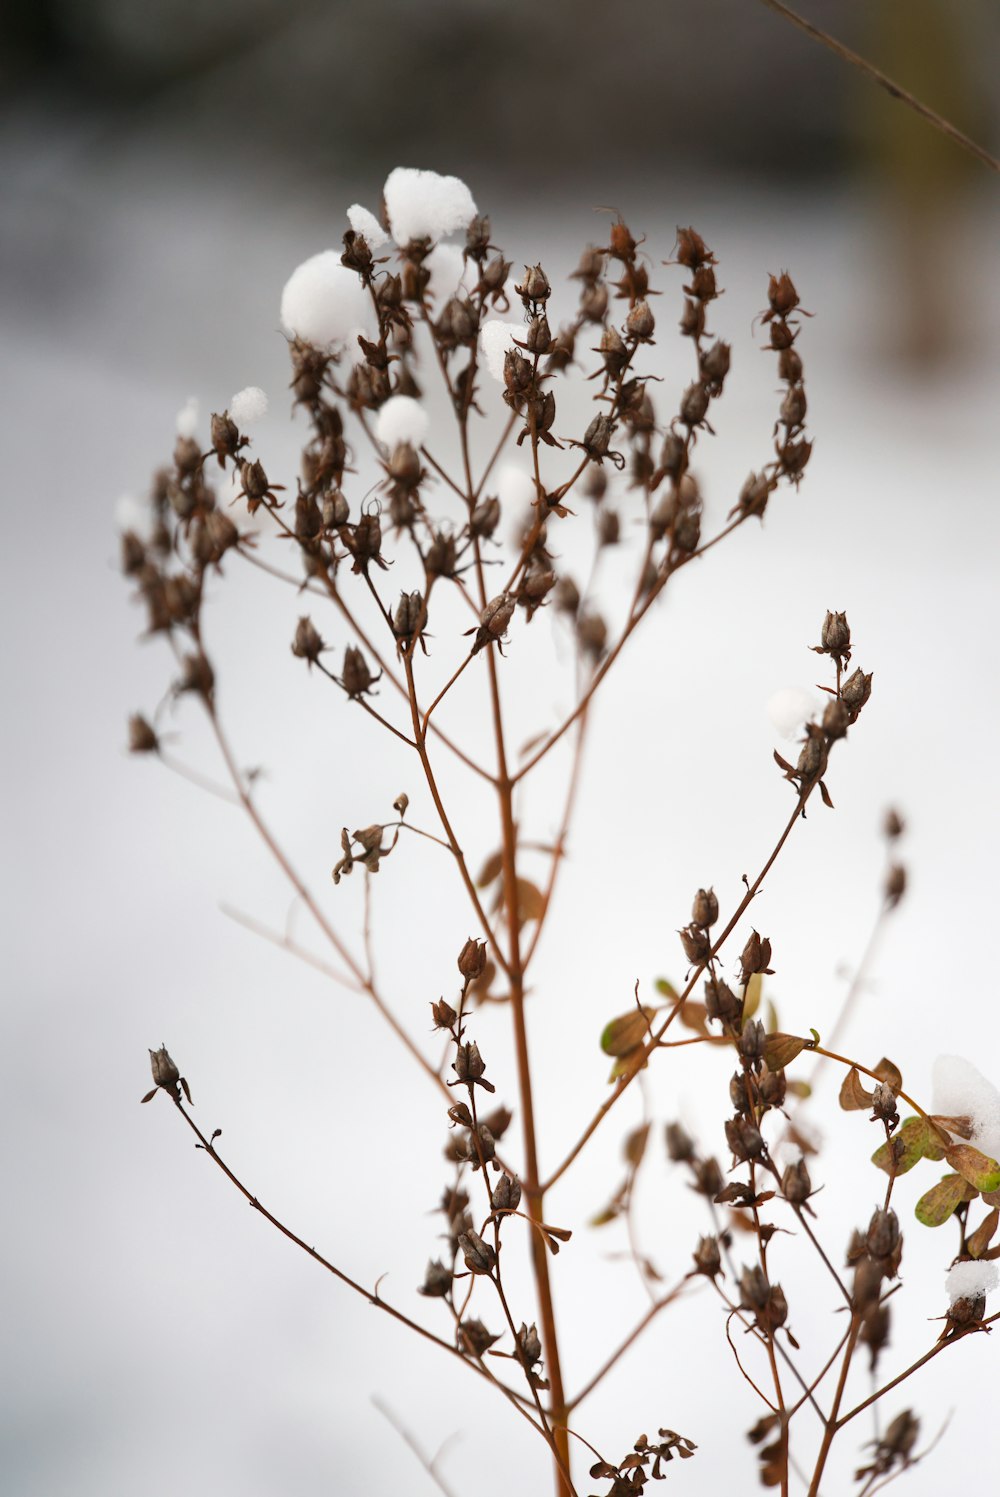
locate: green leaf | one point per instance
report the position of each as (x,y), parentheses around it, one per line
(982,1172)
(800,1089)
(627,1032)
(906,1148)
(781,1049)
(666,988)
(936,1206)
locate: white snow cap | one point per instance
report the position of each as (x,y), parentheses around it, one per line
(496,338)
(790,708)
(135,516)
(401,419)
(363,222)
(187,417)
(962,1091)
(968,1280)
(422,205)
(450,272)
(325,303)
(248,406)
(515,487)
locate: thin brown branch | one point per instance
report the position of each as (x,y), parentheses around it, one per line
(895,90)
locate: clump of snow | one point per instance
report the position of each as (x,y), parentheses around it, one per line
(187,418)
(496,338)
(450,272)
(325,303)
(363,222)
(135,516)
(401,419)
(248,406)
(423,205)
(790,708)
(515,487)
(969,1280)
(962,1091)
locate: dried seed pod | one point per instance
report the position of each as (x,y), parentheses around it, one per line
(437,1280)
(142,737)
(707,1256)
(472,959)
(506,1194)
(479,1256)
(796,1185)
(307,644)
(696,943)
(680,1146)
(705,910)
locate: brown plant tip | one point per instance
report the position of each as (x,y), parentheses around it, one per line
(307,644)
(166,1076)
(142,738)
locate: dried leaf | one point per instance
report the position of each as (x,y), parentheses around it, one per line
(490,870)
(781,1049)
(627,1032)
(800,1089)
(979,1169)
(751,998)
(634,1060)
(980,1239)
(962,1127)
(936,1206)
(693,1014)
(913,1142)
(890,1074)
(666,988)
(853,1096)
(635,1145)
(530,901)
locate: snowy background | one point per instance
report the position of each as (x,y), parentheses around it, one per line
(158,1333)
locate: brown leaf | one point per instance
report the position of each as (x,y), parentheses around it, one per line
(635,1145)
(982,1172)
(490,870)
(530,901)
(780,1049)
(979,1240)
(853,1096)
(890,1074)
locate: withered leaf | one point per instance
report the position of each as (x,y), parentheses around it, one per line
(781,1049)
(890,1074)
(627,1032)
(937,1205)
(979,1169)
(635,1145)
(530,901)
(490,870)
(666,988)
(978,1241)
(853,1096)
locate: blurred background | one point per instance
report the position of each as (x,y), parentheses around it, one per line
(165,166)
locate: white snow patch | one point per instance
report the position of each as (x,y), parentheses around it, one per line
(968,1280)
(423,205)
(450,272)
(187,418)
(515,487)
(790,708)
(496,338)
(962,1091)
(136,516)
(325,303)
(401,419)
(248,406)
(365,223)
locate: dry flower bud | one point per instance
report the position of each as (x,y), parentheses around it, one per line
(835,636)
(594,302)
(708,1177)
(437,1280)
(696,943)
(225,437)
(751,1041)
(893,826)
(613,351)
(473,1337)
(868,1276)
(884,1104)
(410,616)
(307,644)
(694,405)
(680,1147)
(883,1236)
(592,634)
(566,595)
(356,678)
(142,737)
(744,1138)
(796,1185)
(485,518)
(720,1000)
(640,322)
(166,1076)
(534,285)
(472,959)
(444,1015)
(789,366)
(895,885)
(537,337)
(836,718)
(469,1066)
(529,1346)
(196,675)
(336,510)
(479,1256)
(755,957)
(609,527)
(506,1194)
(692,250)
(781,295)
(856,690)
(707,1257)
(705,910)
(772,1087)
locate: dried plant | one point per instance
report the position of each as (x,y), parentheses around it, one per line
(441,574)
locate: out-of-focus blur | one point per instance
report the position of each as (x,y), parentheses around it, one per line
(165,165)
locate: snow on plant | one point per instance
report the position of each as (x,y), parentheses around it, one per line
(368,332)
